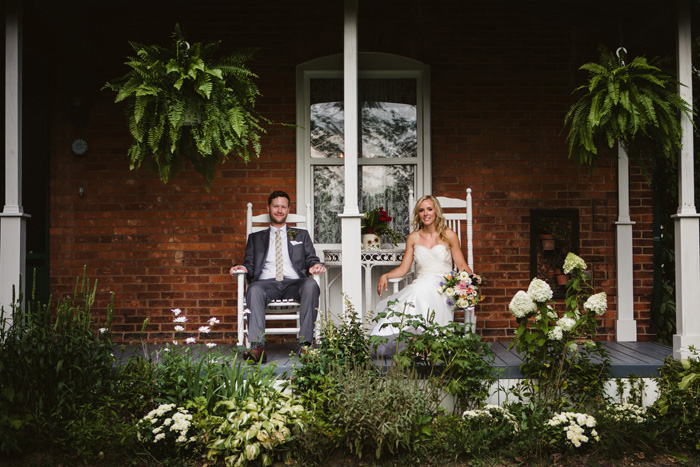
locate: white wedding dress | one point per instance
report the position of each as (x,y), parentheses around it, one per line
(432,264)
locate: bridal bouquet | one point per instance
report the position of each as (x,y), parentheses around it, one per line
(462,289)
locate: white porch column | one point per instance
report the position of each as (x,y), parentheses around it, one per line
(12,219)
(625,326)
(686,221)
(350,218)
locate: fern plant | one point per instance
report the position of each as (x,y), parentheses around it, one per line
(182,103)
(636,105)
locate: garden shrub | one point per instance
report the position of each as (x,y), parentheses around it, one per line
(564,366)
(625,428)
(572,430)
(480,433)
(454,360)
(166,431)
(375,413)
(257,425)
(340,343)
(54,368)
(677,408)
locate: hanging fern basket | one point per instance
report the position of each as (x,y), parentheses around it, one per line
(635,104)
(183,103)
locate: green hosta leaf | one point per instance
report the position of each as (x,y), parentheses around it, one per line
(687,379)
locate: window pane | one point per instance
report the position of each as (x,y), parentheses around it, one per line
(387,186)
(389,118)
(380,186)
(329,196)
(388,113)
(327,124)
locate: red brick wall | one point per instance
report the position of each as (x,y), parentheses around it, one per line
(501,83)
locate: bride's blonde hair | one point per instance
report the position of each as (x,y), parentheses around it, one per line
(440,222)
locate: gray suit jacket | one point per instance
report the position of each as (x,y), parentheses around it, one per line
(301,252)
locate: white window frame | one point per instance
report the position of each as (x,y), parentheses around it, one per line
(371,65)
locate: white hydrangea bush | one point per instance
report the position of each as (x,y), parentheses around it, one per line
(627,413)
(492,415)
(574,429)
(166,426)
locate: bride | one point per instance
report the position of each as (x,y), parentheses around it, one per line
(434,247)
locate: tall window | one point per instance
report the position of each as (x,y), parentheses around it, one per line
(393,155)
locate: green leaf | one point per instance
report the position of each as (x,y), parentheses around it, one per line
(687,379)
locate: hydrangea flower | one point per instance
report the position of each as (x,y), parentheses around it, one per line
(522,305)
(566,323)
(556,333)
(493,413)
(627,412)
(572,262)
(166,422)
(575,427)
(597,303)
(540,291)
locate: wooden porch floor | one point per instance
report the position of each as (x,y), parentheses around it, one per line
(629,358)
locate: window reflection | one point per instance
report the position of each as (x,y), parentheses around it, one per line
(388,136)
(388,118)
(380,186)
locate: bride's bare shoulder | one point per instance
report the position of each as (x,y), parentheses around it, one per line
(451,234)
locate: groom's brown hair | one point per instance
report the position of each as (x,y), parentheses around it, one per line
(278,194)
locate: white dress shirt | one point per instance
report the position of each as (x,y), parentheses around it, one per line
(268,271)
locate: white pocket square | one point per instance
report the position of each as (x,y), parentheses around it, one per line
(296,243)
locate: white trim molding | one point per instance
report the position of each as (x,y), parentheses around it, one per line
(687,220)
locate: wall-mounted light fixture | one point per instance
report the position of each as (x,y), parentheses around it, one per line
(79,147)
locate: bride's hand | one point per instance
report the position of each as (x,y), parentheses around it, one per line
(382,285)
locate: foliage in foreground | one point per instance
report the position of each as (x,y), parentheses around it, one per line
(678,406)
(563,364)
(58,384)
(188,404)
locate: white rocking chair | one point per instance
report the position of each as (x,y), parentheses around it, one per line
(277,310)
(456,211)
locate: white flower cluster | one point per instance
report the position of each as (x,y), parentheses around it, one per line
(566,323)
(573,262)
(539,291)
(522,305)
(165,419)
(597,303)
(627,413)
(180,320)
(575,426)
(556,334)
(493,412)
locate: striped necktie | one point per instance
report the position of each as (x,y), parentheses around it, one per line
(279,264)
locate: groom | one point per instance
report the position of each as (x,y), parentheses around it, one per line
(278,263)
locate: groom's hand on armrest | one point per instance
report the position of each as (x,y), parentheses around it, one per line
(238,268)
(317,269)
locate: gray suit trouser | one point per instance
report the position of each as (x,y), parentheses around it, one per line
(262,292)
